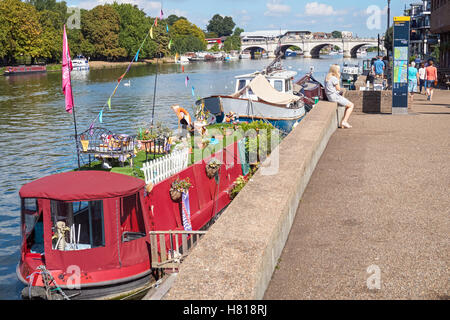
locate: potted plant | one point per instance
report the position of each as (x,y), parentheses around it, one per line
(179,187)
(212,168)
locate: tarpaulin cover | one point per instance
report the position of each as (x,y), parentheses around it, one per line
(264,90)
(82,186)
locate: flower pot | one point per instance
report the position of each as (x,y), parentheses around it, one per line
(85,145)
(175,195)
(211,171)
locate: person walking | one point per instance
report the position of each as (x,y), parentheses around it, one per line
(431,79)
(332,90)
(379,67)
(421,77)
(413,80)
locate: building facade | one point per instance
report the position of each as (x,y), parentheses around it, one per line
(440,24)
(422,40)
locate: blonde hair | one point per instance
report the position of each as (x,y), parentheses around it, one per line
(334,71)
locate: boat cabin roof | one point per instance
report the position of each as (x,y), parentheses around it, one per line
(277,74)
(82,186)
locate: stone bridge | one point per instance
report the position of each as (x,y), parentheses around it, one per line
(311,47)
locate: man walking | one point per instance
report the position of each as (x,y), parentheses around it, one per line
(378,68)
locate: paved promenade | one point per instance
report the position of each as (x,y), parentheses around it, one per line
(380,195)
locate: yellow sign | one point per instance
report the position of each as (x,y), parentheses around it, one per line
(402,19)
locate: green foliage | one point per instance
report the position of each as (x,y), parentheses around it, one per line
(187,37)
(100,27)
(336,34)
(388,39)
(222,26)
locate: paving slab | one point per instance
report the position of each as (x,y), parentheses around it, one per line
(378,200)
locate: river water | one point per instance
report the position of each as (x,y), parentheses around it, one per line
(36,133)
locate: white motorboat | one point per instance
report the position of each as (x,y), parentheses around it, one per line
(80,63)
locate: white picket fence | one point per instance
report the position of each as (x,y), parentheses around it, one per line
(157,170)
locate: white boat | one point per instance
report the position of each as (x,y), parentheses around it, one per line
(267,95)
(80,63)
(182,60)
(245,55)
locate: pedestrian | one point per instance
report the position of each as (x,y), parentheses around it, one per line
(378,68)
(431,79)
(421,77)
(332,90)
(413,80)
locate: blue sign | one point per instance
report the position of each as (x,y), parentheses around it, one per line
(401,59)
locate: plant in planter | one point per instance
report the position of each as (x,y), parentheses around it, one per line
(238,185)
(212,168)
(179,187)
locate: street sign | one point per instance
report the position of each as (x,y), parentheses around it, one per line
(401,59)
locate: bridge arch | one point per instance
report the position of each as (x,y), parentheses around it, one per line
(254,49)
(315,51)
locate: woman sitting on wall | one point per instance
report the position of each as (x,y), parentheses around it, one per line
(332,90)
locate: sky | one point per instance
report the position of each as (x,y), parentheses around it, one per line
(365,18)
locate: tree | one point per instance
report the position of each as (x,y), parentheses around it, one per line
(22,29)
(51,35)
(101,27)
(173,18)
(388,39)
(220,25)
(134,26)
(336,34)
(187,37)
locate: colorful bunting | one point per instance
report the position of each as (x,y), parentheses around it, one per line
(161,15)
(193,92)
(156,22)
(137,56)
(100,116)
(170,44)
(91,129)
(182,69)
(186,81)
(167,28)
(151,32)
(109,103)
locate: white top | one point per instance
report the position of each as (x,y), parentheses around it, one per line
(422,73)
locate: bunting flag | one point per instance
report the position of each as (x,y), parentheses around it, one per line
(151,32)
(100,116)
(91,129)
(193,92)
(186,211)
(167,28)
(182,69)
(156,22)
(137,56)
(186,81)
(66,69)
(170,44)
(121,77)
(161,13)
(109,103)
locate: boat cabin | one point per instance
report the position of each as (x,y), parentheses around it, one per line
(91,220)
(281,80)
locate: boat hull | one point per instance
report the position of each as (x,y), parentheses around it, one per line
(247,110)
(10,71)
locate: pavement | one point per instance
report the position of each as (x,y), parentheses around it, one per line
(373,222)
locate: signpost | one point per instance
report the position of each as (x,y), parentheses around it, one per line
(401,60)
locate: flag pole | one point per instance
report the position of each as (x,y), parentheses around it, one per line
(75,127)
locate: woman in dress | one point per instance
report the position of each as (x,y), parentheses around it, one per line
(332,90)
(412,80)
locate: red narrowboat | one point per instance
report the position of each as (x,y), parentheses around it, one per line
(88,231)
(9,71)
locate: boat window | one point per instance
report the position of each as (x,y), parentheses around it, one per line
(278,85)
(131,219)
(77,225)
(241,84)
(288,86)
(33,227)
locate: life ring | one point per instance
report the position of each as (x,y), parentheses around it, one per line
(182,113)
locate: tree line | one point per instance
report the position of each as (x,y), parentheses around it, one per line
(31,31)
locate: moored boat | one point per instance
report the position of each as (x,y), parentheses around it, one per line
(87,232)
(80,63)
(18,70)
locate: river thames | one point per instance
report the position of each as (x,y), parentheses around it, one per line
(37,133)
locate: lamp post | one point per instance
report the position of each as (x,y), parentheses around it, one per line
(388,24)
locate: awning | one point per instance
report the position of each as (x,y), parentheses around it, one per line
(82,186)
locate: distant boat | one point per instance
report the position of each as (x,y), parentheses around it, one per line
(245,55)
(19,70)
(290,53)
(80,63)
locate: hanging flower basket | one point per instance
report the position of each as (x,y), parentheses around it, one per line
(212,168)
(178,187)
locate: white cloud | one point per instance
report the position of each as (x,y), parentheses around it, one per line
(321,9)
(276,8)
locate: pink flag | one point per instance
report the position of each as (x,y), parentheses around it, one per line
(161,15)
(66,69)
